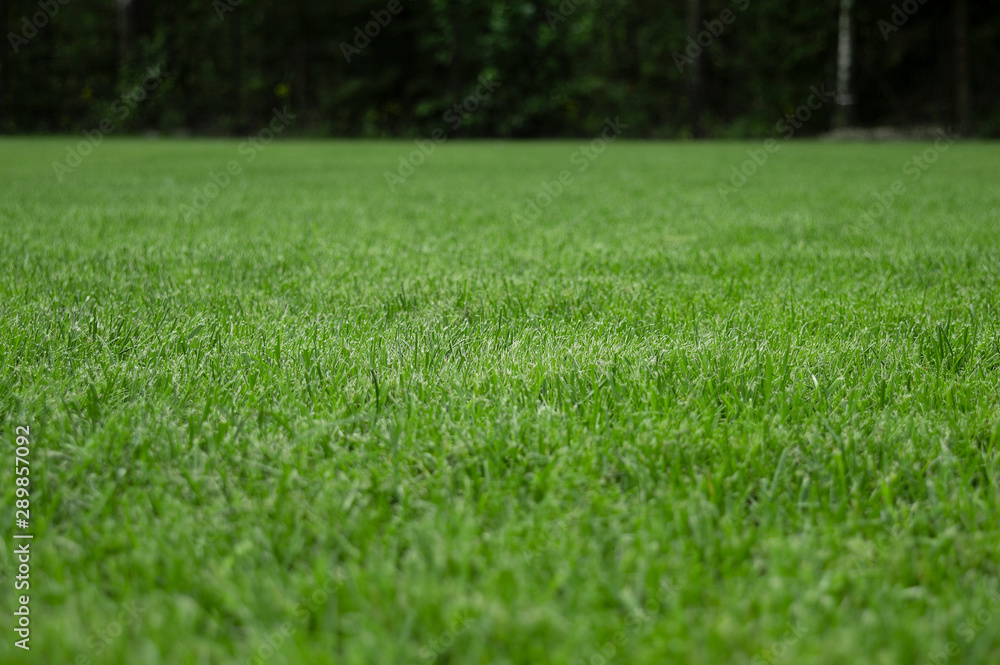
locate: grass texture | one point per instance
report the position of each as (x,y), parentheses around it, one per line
(326,420)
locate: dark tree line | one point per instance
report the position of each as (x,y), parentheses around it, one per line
(395,67)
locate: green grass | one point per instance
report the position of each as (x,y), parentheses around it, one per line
(752,429)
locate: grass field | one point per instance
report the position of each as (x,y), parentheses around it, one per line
(320,421)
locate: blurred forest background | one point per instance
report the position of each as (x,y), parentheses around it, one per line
(563,65)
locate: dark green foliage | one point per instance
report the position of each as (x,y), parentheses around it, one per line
(564,66)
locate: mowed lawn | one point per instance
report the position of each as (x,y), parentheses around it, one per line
(325,421)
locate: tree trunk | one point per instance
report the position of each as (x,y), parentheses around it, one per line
(456,65)
(963,89)
(124,35)
(695,13)
(236,55)
(845,58)
(3,66)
